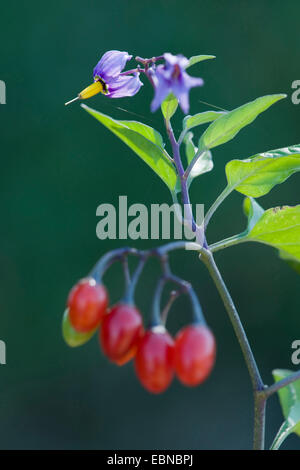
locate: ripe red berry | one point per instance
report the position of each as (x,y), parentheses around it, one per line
(194,356)
(87,304)
(154,360)
(120,331)
(127,357)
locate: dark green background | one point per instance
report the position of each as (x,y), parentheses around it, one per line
(58,165)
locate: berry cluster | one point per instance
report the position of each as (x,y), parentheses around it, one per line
(157,356)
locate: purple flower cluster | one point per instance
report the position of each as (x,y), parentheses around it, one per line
(166,78)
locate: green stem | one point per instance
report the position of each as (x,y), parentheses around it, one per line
(260,402)
(231,241)
(209,261)
(216,204)
(207,257)
(182,136)
(257,383)
(282,383)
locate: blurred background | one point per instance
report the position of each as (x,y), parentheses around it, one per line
(59,164)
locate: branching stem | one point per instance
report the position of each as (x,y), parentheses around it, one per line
(282,383)
(261,392)
(198,230)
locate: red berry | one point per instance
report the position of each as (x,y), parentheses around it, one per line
(194,356)
(87,304)
(120,331)
(154,360)
(127,357)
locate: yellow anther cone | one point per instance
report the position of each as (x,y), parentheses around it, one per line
(91,90)
(88,92)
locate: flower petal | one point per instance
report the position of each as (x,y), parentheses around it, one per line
(191,82)
(124,85)
(179,59)
(111,64)
(172,77)
(181,88)
(162,89)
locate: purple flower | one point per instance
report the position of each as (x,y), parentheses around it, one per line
(108,72)
(172,78)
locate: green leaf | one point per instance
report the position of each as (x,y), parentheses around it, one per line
(253,212)
(72,337)
(190,147)
(169,106)
(146,131)
(279,227)
(257,175)
(199,58)
(289,398)
(203,165)
(201,118)
(204,162)
(144,141)
(290,260)
(226,127)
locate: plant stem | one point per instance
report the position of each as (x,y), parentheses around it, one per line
(216,204)
(231,241)
(164,314)
(193,163)
(257,383)
(200,238)
(129,72)
(108,259)
(260,391)
(184,287)
(156,318)
(282,383)
(149,61)
(126,271)
(130,289)
(260,402)
(209,261)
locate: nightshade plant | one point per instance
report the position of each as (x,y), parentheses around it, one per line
(191,354)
